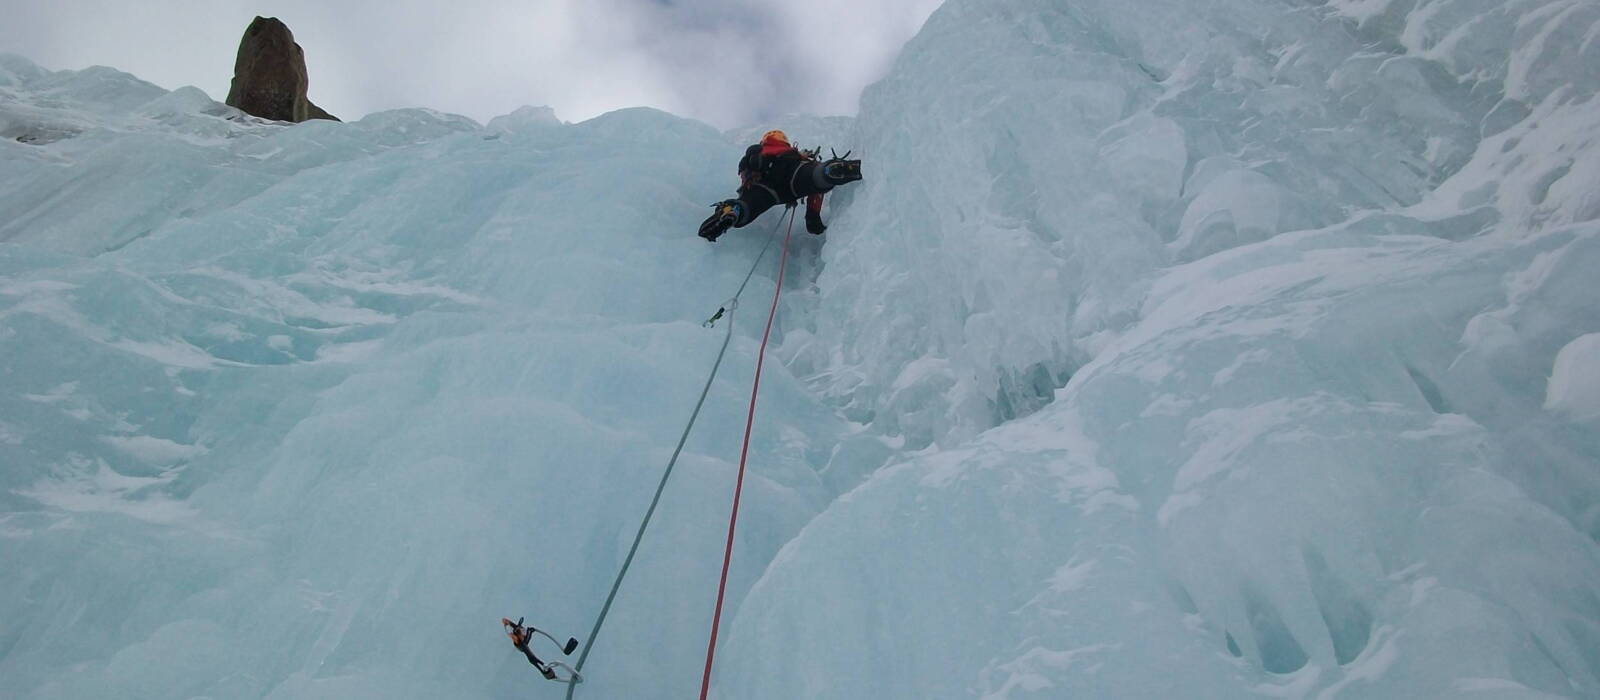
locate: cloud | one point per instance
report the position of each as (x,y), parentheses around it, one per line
(727,62)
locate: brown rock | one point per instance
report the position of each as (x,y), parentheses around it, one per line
(269,76)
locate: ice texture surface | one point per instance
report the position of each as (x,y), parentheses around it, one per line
(298,412)
(1168,349)
(1283,312)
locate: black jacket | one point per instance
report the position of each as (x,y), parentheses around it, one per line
(775,171)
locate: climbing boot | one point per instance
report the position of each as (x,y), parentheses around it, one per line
(726,214)
(840,171)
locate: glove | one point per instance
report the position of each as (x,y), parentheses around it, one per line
(814,222)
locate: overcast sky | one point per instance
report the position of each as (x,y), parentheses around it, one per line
(727,62)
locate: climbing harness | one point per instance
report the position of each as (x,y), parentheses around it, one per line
(744,452)
(727,310)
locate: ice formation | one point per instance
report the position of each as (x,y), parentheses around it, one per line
(1169,349)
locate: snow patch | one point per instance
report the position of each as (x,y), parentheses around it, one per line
(154,450)
(1574,388)
(102,490)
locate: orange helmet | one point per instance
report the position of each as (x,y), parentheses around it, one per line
(774,135)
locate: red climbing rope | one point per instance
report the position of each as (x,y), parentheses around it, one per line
(744,452)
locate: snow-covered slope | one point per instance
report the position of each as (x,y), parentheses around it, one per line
(1170,349)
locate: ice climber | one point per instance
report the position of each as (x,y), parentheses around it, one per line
(520,635)
(773,172)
